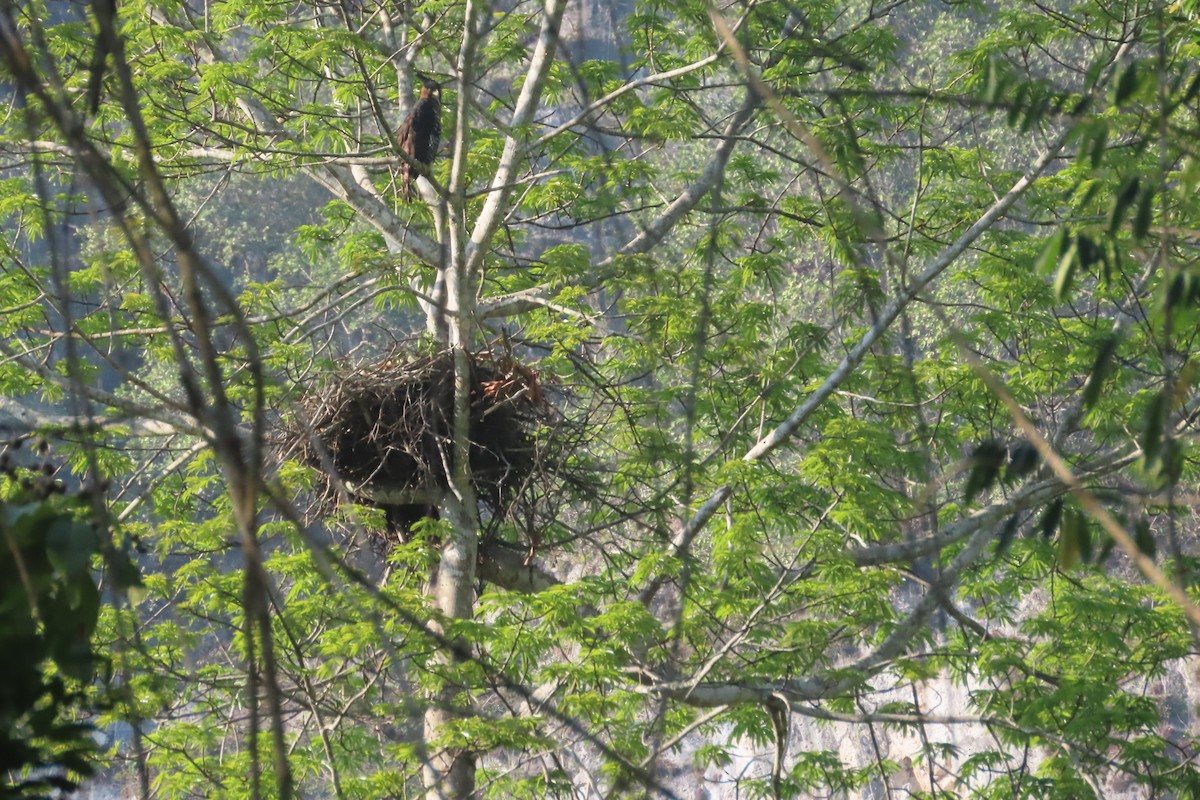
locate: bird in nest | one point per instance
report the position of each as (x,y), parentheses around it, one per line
(420,135)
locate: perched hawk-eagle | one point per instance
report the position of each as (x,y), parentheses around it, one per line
(420,134)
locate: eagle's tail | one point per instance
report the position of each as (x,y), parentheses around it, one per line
(406,183)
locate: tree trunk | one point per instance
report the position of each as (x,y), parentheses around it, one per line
(450,773)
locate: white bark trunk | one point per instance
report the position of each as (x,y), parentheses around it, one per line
(450,773)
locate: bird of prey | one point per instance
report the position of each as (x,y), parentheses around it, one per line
(420,135)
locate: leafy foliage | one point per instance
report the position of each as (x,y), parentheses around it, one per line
(48,614)
(816,313)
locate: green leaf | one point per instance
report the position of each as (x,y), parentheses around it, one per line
(1023,459)
(1004,541)
(1154,426)
(125,574)
(1101,367)
(1178,291)
(1124,199)
(984,468)
(1066,270)
(1127,83)
(1074,541)
(1049,521)
(996,81)
(1145,213)
(70,545)
(1144,538)
(1099,143)
(1050,253)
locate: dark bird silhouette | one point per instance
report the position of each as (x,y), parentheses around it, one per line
(420,135)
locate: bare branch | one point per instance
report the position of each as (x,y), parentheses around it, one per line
(590,110)
(654,233)
(512,570)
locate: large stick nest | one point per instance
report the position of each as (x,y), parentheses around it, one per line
(384,431)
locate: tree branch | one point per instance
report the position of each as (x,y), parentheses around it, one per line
(786,429)
(535,79)
(511,570)
(538,296)
(653,233)
(1027,497)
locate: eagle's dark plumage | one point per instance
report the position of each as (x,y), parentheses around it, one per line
(420,135)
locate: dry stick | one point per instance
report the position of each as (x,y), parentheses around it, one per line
(1086,499)
(833,681)
(612,96)
(921,719)
(768,94)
